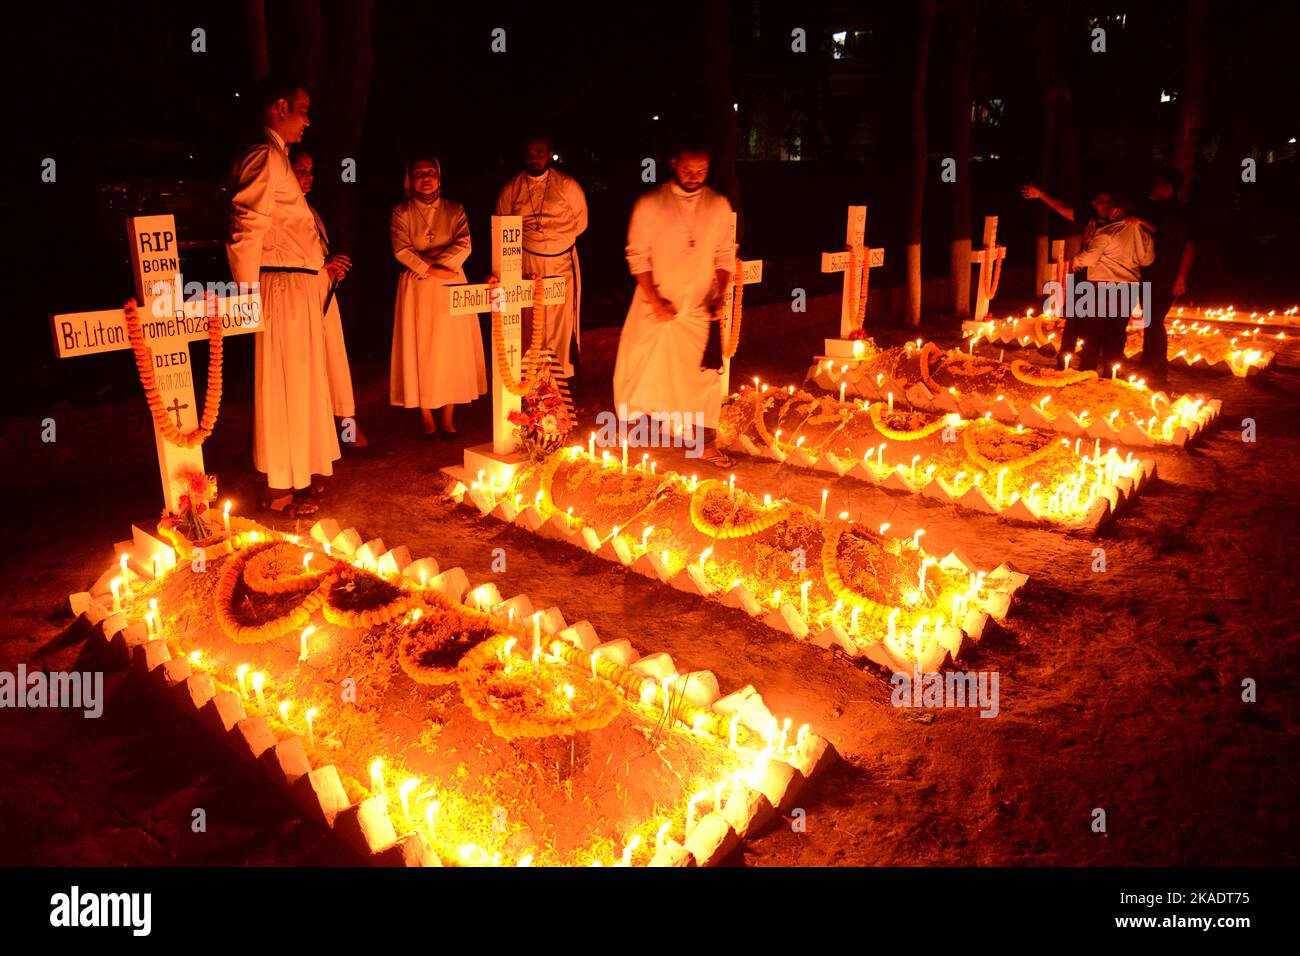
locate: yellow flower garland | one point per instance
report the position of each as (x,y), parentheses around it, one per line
(760,524)
(259,573)
(1047,378)
(144,364)
(970,442)
(831,574)
(363,620)
(895,435)
(223,599)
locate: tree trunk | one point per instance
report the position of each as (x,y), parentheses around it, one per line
(724,113)
(915,219)
(959,258)
(1191,111)
(259,57)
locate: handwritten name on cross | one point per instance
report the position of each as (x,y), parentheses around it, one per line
(989,259)
(751,271)
(169,325)
(856,280)
(514,294)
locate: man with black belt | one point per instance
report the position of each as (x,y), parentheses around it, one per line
(274,245)
(554,210)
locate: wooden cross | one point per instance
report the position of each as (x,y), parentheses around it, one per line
(751,271)
(988,259)
(514,293)
(855,240)
(1058,267)
(169,324)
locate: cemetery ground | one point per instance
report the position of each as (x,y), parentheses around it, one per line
(1119,689)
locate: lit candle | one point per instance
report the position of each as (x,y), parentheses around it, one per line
(537,634)
(822,514)
(890,396)
(404,794)
(148,621)
(258,680)
(311,716)
(893,616)
(302,642)
(284,710)
(225,516)
(652,467)
(883,528)
(924,565)
(241,673)
(916,538)
(667,684)
(595,656)
(591,446)
(1114,371)
(506,649)
(625,456)
(645,537)
(660,834)
(843,386)
(377,778)
(115,586)
(915,459)
(645,469)
(690,811)
(693,479)
(732,726)
(803,599)
(126,576)
(853,621)
(1001,474)
(731,484)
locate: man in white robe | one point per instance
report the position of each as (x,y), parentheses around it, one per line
(274,245)
(682,255)
(554,209)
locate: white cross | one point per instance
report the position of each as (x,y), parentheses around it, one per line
(751,271)
(985,259)
(514,293)
(1058,267)
(855,234)
(169,325)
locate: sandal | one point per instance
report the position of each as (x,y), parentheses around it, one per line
(715,456)
(295,507)
(315,490)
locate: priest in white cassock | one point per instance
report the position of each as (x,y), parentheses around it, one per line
(554,209)
(682,255)
(437,357)
(336,268)
(273,244)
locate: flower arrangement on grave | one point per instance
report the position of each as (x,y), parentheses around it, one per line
(543,421)
(437,637)
(519,696)
(248,616)
(195,492)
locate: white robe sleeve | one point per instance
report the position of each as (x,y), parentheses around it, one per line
(1091,255)
(454,253)
(399,230)
(640,234)
(577,201)
(250,215)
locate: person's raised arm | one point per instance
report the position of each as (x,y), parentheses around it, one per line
(1030,191)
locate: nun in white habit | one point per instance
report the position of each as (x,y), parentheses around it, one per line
(438,358)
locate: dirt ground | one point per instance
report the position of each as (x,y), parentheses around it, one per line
(1120,689)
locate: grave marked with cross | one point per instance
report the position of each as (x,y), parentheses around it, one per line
(751,271)
(169,324)
(856,281)
(514,293)
(989,259)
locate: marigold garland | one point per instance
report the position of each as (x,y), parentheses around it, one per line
(897,435)
(831,574)
(522,707)
(223,600)
(1048,378)
(513,385)
(260,571)
(369,617)
(437,630)
(993,275)
(731,342)
(704,526)
(144,364)
(970,440)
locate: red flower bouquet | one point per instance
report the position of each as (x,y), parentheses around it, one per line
(543,421)
(196,491)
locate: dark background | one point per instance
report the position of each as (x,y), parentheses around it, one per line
(138,122)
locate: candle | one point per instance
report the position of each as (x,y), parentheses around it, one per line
(1002,355)
(916,538)
(148,622)
(803,599)
(595,656)
(652,467)
(660,834)
(310,716)
(843,386)
(645,537)
(690,811)
(890,396)
(704,556)
(404,794)
(506,649)
(1001,475)
(258,680)
(1068,356)
(632,844)
(893,616)
(924,565)
(645,470)
(377,778)
(693,479)
(225,516)
(115,586)
(591,446)
(785,731)
(731,484)
(1114,371)
(915,459)
(667,683)
(302,642)
(625,456)
(284,710)
(853,621)
(429,811)
(126,575)
(241,672)
(822,514)
(537,638)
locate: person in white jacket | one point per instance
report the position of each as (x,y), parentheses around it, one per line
(273,244)
(1114,258)
(437,357)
